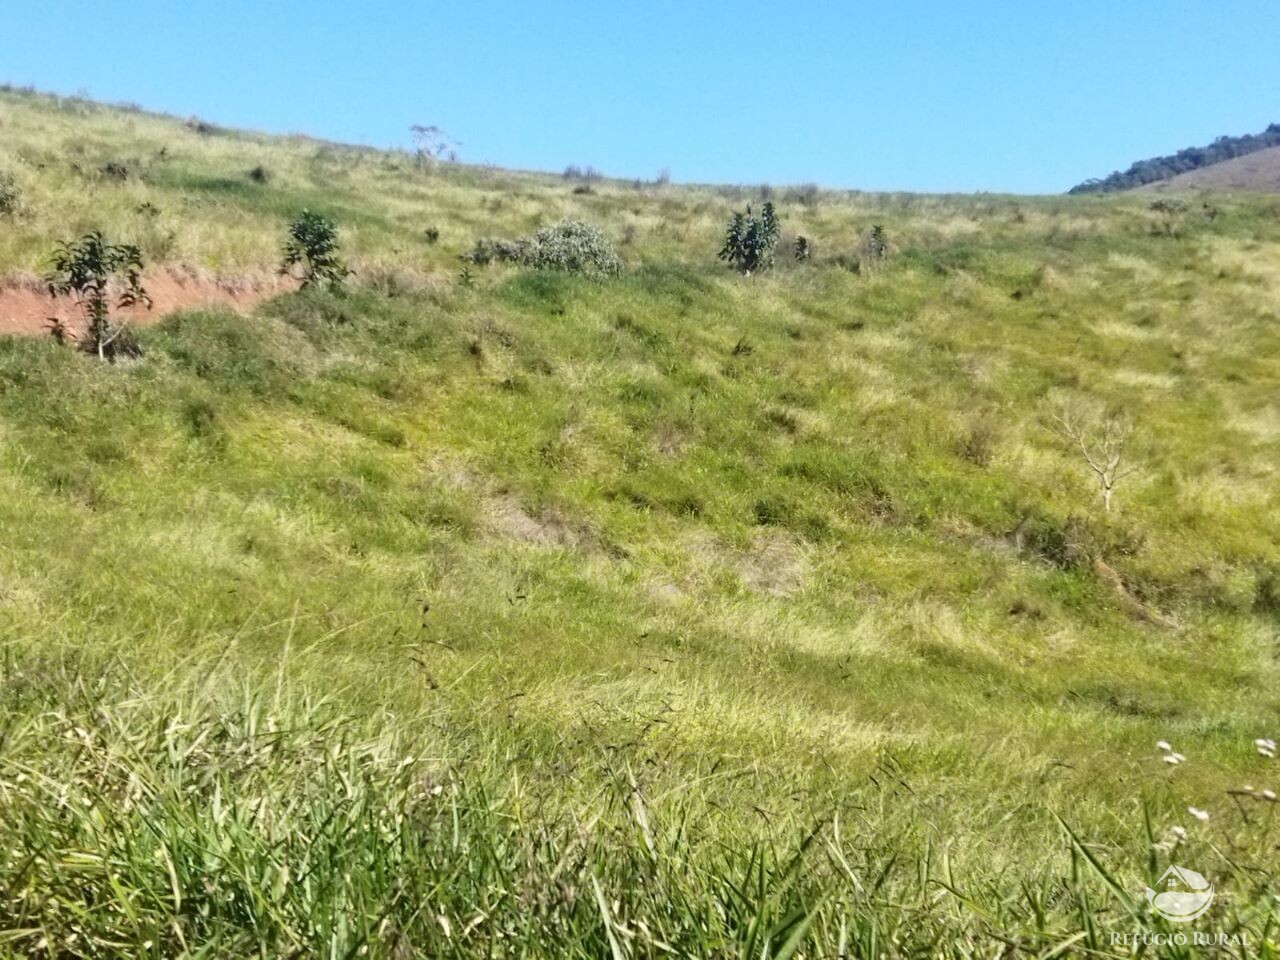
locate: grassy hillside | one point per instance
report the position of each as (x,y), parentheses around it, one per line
(679,614)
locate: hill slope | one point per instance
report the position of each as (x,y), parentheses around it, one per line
(543,615)
(1258,172)
(1223,150)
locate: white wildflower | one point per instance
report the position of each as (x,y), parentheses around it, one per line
(1163,745)
(1178,832)
(1173,758)
(1268,794)
(1263,742)
(1198,813)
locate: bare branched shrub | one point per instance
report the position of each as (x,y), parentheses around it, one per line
(432,146)
(1101,442)
(587,174)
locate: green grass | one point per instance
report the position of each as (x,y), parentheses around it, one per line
(406,621)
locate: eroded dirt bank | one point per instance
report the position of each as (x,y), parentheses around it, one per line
(27,309)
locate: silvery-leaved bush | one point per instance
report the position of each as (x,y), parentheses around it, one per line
(569,246)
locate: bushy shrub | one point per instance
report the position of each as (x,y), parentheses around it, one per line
(1169,212)
(488,250)
(572,246)
(313,243)
(749,240)
(875,246)
(569,246)
(10,195)
(801,249)
(114,170)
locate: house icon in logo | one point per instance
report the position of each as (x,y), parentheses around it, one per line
(1181,895)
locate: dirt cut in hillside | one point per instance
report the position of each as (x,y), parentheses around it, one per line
(26,308)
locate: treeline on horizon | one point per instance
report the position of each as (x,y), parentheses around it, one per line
(1191,158)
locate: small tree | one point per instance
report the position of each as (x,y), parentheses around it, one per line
(749,240)
(313,242)
(1101,444)
(87,269)
(801,249)
(432,145)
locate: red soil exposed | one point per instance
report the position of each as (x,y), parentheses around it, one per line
(26,307)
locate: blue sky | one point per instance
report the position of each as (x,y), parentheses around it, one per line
(899,94)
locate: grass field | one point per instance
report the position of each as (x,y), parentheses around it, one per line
(682,614)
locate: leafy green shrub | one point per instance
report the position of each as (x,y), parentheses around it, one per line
(569,246)
(313,242)
(259,174)
(749,240)
(875,245)
(801,249)
(84,268)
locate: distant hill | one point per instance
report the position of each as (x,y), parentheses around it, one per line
(1157,169)
(1258,172)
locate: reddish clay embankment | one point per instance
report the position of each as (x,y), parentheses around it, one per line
(26,307)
